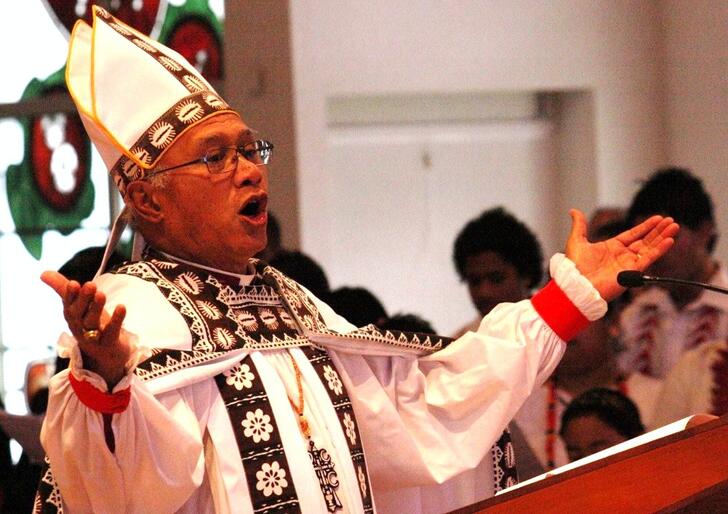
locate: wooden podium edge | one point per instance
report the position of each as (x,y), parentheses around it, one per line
(497,503)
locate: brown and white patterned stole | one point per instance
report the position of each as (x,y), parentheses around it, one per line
(224,316)
(505,473)
(326,370)
(266,468)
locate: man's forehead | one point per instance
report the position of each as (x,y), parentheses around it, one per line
(227,129)
(225,134)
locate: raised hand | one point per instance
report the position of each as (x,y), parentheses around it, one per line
(104,347)
(633,249)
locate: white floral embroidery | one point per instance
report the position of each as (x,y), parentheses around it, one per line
(271,479)
(362,480)
(332,377)
(257,425)
(240,376)
(350,428)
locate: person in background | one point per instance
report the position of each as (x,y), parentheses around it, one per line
(499,259)
(407,322)
(697,384)
(598,419)
(358,305)
(303,269)
(274,246)
(604,216)
(664,321)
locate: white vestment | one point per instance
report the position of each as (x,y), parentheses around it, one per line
(422,419)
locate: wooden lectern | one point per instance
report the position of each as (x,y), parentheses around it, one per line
(683,472)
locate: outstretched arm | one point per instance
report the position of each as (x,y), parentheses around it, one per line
(104,346)
(633,249)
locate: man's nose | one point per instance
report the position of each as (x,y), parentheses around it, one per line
(248,173)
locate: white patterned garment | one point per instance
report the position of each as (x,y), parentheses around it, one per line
(421,420)
(656,334)
(691,386)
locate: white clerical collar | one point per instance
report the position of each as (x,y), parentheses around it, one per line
(244,279)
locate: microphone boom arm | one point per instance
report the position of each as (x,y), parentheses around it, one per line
(717,289)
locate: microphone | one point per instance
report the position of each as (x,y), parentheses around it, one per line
(634,278)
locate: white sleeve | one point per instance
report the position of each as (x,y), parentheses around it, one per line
(424,420)
(158,460)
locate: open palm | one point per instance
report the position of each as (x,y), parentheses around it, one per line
(83,309)
(633,249)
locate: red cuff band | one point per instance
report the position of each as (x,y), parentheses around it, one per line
(99,401)
(558,311)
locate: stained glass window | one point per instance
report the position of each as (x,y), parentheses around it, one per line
(55,197)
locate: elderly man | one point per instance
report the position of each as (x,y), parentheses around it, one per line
(203,380)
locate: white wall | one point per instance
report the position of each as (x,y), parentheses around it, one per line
(643,81)
(396,196)
(696,106)
(605,55)
(384,46)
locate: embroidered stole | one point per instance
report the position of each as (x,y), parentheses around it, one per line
(223,315)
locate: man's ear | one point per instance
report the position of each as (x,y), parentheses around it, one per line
(143,198)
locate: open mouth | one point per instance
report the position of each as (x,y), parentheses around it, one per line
(254,207)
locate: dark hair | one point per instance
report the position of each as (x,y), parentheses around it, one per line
(83,265)
(496,230)
(608,230)
(38,404)
(273,245)
(304,270)
(611,407)
(673,192)
(407,323)
(273,229)
(358,305)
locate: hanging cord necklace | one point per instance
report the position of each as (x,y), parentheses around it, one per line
(302,421)
(320,458)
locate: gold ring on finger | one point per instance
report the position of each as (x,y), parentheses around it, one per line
(91,335)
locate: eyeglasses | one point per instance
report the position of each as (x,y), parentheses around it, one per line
(224,159)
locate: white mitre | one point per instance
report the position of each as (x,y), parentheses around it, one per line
(134,95)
